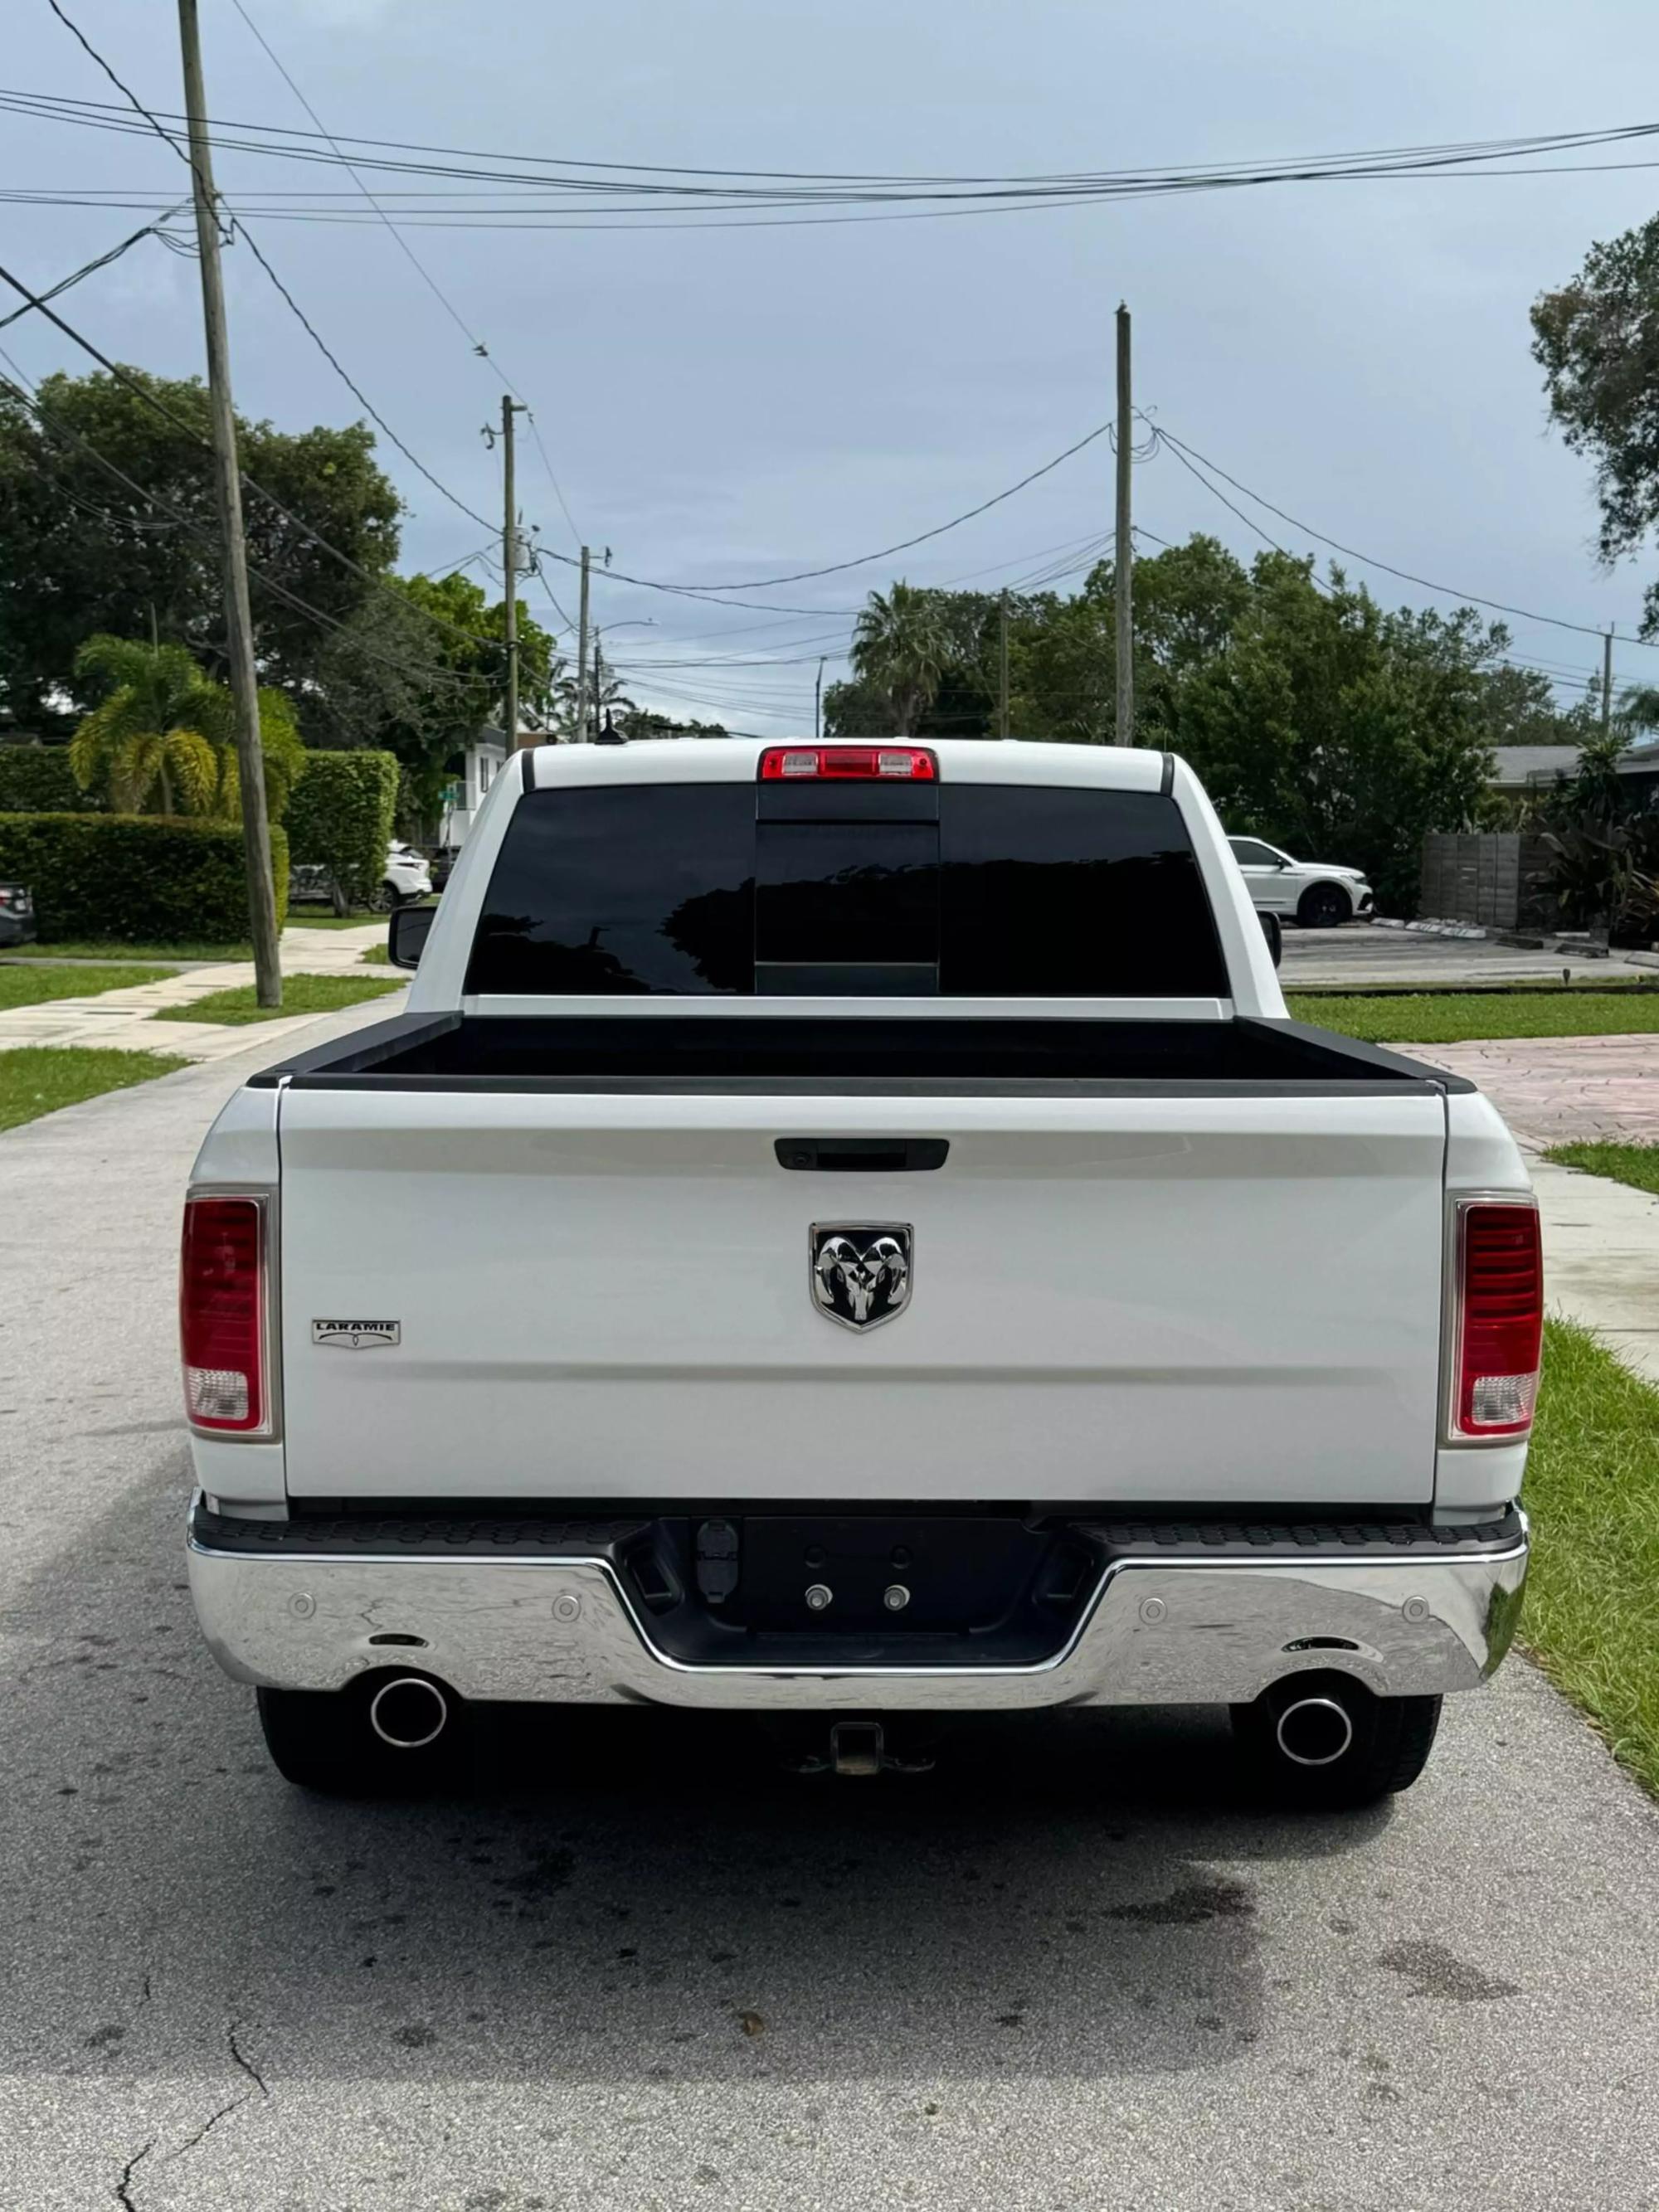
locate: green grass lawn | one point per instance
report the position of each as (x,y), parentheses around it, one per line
(1635,1165)
(302,995)
(1449,1016)
(323,918)
(33,987)
(1592,1606)
(377,957)
(36,1080)
(112,949)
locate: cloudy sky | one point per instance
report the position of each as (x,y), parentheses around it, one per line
(728,403)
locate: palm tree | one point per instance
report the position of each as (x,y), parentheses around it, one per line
(1638,708)
(163,735)
(900,648)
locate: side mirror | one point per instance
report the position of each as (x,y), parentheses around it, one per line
(1271,931)
(408,933)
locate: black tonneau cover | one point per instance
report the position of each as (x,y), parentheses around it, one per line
(868,1054)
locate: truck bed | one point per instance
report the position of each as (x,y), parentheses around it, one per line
(868,1056)
(1141,1247)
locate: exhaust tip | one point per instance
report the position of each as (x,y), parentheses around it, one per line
(408,1712)
(1314,1731)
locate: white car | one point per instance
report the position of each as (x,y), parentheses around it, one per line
(856,1162)
(1308,892)
(407,877)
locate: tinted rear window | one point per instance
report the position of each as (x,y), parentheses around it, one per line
(1071,895)
(629,888)
(1013,893)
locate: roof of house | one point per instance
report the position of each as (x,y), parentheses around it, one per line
(1521,765)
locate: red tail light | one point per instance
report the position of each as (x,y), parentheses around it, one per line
(221,1313)
(1500,1319)
(868,763)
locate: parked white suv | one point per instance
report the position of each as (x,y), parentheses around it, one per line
(407,877)
(1311,892)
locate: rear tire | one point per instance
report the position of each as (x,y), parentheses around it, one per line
(1324,907)
(322,1739)
(386,898)
(1389,1746)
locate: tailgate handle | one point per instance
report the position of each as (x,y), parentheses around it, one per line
(861,1154)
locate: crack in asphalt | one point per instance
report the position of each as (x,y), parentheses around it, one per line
(123,2186)
(247,2065)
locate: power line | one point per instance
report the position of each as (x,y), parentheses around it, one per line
(253,247)
(647,184)
(862,560)
(103,261)
(454,314)
(1370,560)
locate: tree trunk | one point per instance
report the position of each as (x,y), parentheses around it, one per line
(166,789)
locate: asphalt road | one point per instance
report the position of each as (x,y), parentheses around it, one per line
(635,1966)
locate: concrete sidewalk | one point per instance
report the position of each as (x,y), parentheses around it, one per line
(124,1020)
(1601,1260)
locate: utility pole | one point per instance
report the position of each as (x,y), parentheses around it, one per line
(227,481)
(1607,682)
(598,683)
(1123,559)
(510,570)
(581,658)
(817,704)
(1002,666)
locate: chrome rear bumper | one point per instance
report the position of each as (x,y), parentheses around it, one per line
(1157,1630)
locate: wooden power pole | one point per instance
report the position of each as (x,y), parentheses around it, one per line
(1607,682)
(227,481)
(510,571)
(1123,558)
(582,656)
(1002,666)
(817,703)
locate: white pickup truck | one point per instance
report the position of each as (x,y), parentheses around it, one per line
(897,1257)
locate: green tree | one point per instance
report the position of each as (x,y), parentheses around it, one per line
(901,648)
(1638,711)
(162,738)
(1597,340)
(644,722)
(396,680)
(82,551)
(1338,730)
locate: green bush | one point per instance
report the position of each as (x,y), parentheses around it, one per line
(339,817)
(142,879)
(38,780)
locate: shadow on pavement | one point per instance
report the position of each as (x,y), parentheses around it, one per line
(619,1893)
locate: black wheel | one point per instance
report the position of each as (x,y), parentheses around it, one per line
(1324,907)
(1326,1741)
(391,1735)
(385,898)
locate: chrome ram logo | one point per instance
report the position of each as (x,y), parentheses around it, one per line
(860,1272)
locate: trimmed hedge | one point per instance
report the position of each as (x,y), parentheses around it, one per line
(144,877)
(340,814)
(38,780)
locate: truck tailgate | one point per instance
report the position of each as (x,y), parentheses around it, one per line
(1214,1298)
